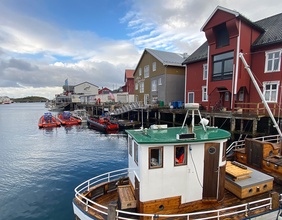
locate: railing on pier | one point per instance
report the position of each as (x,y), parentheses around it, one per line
(89,206)
(257,108)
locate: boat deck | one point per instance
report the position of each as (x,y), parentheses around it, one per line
(229,200)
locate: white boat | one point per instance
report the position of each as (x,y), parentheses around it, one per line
(80,114)
(157,184)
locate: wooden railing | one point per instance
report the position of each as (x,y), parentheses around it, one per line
(257,108)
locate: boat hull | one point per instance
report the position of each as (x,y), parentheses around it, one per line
(102,124)
(48,123)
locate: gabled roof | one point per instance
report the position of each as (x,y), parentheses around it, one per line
(129,74)
(84,83)
(167,58)
(270,28)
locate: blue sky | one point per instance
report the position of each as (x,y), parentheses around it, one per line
(44,42)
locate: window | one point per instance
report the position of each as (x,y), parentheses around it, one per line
(130,146)
(154,85)
(141,87)
(180,155)
(223,66)
(155,157)
(204,94)
(205,71)
(136,86)
(136,153)
(272,61)
(226,96)
(222,35)
(241,95)
(140,71)
(190,97)
(160,81)
(270,91)
(146,71)
(154,66)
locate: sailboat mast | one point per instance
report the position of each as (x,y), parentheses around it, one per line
(247,67)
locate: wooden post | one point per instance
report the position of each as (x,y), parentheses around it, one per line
(275,200)
(112,210)
(173,119)
(159,117)
(255,125)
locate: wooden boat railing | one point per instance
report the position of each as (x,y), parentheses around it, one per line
(107,182)
(241,143)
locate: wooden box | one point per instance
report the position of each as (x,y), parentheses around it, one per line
(126,197)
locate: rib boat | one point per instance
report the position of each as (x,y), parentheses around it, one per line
(102,124)
(48,121)
(67,119)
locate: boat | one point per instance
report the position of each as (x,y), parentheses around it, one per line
(67,119)
(80,114)
(102,124)
(178,173)
(48,121)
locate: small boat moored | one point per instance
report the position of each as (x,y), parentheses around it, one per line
(48,120)
(67,119)
(102,124)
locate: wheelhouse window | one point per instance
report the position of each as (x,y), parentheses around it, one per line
(272,61)
(180,155)
(223,66)
(205,72)
(190,97)
(146,71)
(204,94)
(222,36)
(155,157)
(130,146)
(154,85)
(270,91)
(136,153)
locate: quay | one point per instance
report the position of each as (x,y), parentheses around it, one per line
(245,121)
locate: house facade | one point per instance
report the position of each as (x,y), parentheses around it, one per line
(86,88)
(216,76)
(129,82)
(159,77)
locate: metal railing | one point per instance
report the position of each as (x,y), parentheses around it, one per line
(90,206)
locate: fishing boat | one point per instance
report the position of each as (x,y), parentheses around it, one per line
(48,120)
(178,173)
(102,124)
(67,119)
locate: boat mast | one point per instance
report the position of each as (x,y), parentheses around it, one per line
(247,67)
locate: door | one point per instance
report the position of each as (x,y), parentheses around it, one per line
(136,191)
(211,171)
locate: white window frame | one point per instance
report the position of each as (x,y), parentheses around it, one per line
(271,94)
(204,94)
(205,71)
(141,89)
(154,66)
(160,81)
(136,86)
(140,71)
(193,97)
(146,71)
(154,86)
(271,61)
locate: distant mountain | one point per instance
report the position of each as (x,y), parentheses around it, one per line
(30,99)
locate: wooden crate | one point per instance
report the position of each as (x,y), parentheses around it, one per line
(126,197)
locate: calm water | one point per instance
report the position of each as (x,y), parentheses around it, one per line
(39,169)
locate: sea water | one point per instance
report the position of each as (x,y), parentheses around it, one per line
(39,168)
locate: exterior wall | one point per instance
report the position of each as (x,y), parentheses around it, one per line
(175,85)
(129,86)
(161,71)
(86,89)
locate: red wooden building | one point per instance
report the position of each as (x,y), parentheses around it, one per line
(129,81)
(216,76)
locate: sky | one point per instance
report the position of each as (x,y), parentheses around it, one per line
(45,42)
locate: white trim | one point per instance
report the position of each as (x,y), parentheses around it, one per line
(266,60)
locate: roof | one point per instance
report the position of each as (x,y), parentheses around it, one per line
(129,74)
(167,58)
(270,28)
(168,135)
(200,54)
(273,31)
(84,83)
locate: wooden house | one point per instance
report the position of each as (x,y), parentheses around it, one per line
(215,75)
(129,82)
(159,77)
